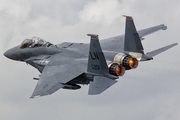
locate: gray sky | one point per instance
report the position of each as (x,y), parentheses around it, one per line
(150,92)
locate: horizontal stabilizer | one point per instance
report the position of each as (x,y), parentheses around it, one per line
(100,84)
(160,50)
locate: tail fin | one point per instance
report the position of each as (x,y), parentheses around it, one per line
(132,42)
(96,62)
(97,65)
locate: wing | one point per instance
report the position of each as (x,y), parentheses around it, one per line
(113,43)
(54,77)
(151,30)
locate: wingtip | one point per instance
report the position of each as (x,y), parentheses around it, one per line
(164,26)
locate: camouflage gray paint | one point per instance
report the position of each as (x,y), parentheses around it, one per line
(100,63)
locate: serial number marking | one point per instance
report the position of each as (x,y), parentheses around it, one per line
(95,67)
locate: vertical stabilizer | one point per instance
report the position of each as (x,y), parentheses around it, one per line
(96,61)
(132,42)
(97,64)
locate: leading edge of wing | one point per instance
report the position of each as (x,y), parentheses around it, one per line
(54,77)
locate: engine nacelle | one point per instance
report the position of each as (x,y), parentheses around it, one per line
(116,69)
(71,86)
(126,60)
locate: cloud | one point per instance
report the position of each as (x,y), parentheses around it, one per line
(100,11)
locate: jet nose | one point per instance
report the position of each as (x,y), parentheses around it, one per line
(8,54)
(11,53)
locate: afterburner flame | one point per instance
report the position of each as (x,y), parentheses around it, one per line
(120,70)
(133,63)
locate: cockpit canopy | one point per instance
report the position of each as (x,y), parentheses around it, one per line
(34,42)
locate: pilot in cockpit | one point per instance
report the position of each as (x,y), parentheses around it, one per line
(34,42)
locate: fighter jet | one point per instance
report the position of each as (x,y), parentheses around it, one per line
(98,63)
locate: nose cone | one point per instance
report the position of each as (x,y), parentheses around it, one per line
(12,53)
(8,54)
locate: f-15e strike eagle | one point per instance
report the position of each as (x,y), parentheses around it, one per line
(100,63)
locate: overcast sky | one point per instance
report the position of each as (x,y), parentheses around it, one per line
(150,92)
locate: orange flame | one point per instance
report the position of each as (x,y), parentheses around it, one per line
(120,70)
(133,63)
